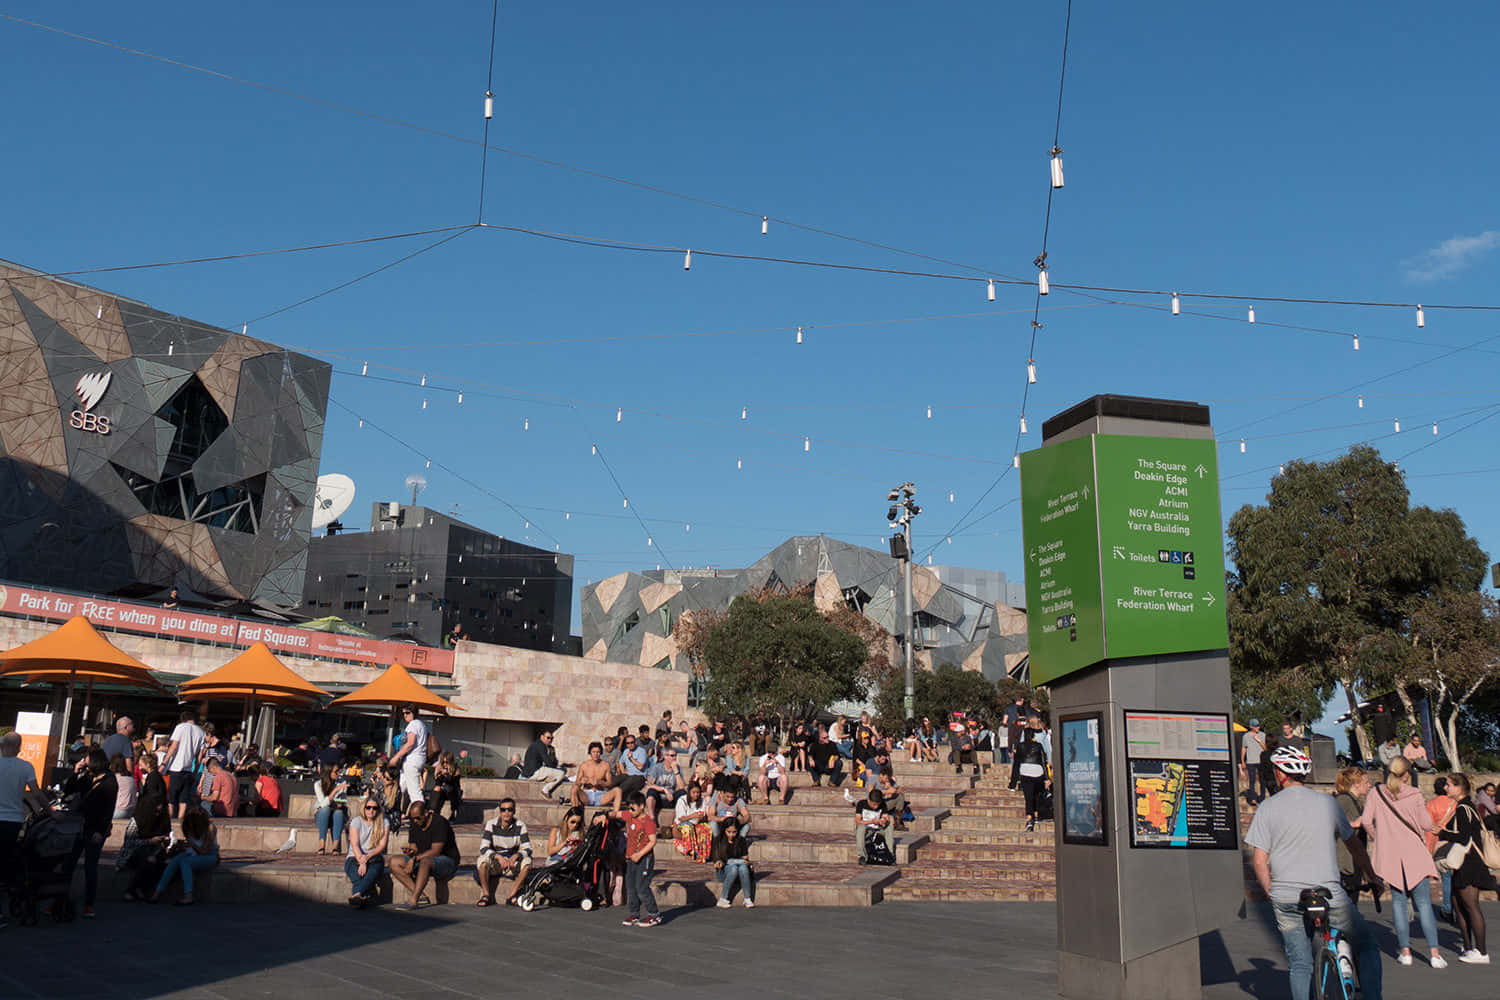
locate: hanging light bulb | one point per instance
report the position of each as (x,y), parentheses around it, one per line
(687,261)
(244,329)
(807,444)
(526,424)
(1057,171)
(1023,423)
(1397,423)
(950,496)
(739,463)
(1176,305)
(1015,460)
(567,515)
(489,105)
(619,414)
(929,411)
(1356,341)
(948,539)
(765,225)
(929,560)
(1242,446)
(650,541)
(1041,282)
(424,381)
(361,423)
(687,527)
(364,369)
(1282,469)
(171,348)
(593,449)
(460,397)
(1434,428)
(1421,318)
(429,463)
(1252,314)
(528,524)
(1361,402)
(992,290)
(744,413)
(424,404)
(625,502)
(1030,372)
(799,334)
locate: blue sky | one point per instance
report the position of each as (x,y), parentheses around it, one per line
(1277,150)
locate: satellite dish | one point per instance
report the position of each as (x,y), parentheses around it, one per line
(334,494)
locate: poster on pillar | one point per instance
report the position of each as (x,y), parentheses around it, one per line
(1180,771)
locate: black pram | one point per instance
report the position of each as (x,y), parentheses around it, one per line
(577,880)
(42,872)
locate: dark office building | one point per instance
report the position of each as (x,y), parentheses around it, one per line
(141,450)
(418,573)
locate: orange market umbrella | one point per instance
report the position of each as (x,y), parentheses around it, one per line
(395,687)
(72,652)
(255,675)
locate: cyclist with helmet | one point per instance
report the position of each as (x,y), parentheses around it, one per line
(1294,835)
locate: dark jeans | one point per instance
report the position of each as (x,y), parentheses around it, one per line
(441,795)
(1299,956)
(638,885)
(1253,787)
(89,846)
(361,884)
(10,833)
(834,772)
(1032,789)
(182,786)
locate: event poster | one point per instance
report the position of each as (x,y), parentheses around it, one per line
(1084,808)
(1181,773)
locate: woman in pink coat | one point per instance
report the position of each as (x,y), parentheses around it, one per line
(1397,822)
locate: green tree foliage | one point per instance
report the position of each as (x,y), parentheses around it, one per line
(945,690)
(779,655)
(1324,580)
(1455,655)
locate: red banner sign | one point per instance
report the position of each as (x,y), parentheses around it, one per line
(149,619)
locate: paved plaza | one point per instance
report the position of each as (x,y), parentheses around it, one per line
(908,950)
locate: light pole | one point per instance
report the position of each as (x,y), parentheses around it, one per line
(903,509)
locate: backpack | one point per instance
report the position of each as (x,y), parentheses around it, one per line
(876,852)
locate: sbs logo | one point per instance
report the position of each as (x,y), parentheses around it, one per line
(90,389)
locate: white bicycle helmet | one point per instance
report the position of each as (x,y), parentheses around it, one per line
(1291,760)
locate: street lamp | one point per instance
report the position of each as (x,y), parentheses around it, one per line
(903,508)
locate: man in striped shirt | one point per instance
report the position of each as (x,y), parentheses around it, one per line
(504,854)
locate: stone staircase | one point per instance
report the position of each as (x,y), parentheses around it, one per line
(981,851)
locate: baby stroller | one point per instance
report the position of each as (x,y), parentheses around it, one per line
(41,870)
(577,880)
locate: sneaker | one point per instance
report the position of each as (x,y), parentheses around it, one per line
(1031,828)
(847,797)
(1474,957)
(88,913)
(1439,962)
(649,921)
(630,921)
(1403,959)
(749,903)
(724,904)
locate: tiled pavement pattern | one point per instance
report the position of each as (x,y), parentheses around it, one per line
(898,950)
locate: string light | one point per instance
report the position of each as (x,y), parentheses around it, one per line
(1176,305)
(1356,341)
(526,424)
(948,539)
(739,463)
(1397,422)
(687,261)
(929,411)
(650,541)
(364,369)
(807,444)
(593,449)
(799,334)
(992,289)
(1252,314)
(361,423)
(1057,170)
(567,515)
(424,381)
(489,105)
(429,463)
(1421,318)
(687,527)
(624,501)
(1434,428)
(1015,460)
(244,329)
(765,225)
(1023,423)
(619,414)
(1361,402)
(171,348)
(1282,469)
(424,404)
(744,413)
(1041,282)
(950,496)
(1242,446)
(1030,372)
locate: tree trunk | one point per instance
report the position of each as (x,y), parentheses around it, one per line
(1447,734)
(1366,751)
(1411,710)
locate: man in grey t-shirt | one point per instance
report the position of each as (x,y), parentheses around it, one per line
(1294,835)
(1252,747)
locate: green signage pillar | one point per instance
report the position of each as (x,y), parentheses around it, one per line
(1125,611)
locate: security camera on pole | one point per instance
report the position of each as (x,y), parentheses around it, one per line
(903,509)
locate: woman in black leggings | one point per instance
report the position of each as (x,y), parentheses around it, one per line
(1028,769)
(1471,877)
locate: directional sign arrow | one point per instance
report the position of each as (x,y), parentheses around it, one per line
(1208,599)
(1200,470)
(1033,555)
(1119,552)
(1085,492)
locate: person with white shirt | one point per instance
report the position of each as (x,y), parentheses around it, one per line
(773,772)
(412,756)
(17,777)
(183,754)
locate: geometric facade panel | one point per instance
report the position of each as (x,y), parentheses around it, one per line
(141,450)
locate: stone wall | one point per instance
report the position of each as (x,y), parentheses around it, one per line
(584,698)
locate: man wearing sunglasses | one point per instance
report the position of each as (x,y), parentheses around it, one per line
(431,853)
(504,854)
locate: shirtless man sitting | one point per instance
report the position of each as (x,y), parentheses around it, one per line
(592,785)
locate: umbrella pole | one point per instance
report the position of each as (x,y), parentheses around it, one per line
(88,700)
(62,744)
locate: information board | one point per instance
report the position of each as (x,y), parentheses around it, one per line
(1082,777)
(1162,545)
(1124,550)
(1181,773)
(1060,525)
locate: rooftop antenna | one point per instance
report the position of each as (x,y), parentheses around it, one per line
(416,482)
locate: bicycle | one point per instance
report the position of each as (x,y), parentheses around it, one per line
(1333,957)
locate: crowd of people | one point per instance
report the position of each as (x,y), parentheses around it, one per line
(1376,832)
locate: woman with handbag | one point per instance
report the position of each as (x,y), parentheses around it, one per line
(1440,807)
(1463,841)
(1396,820)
